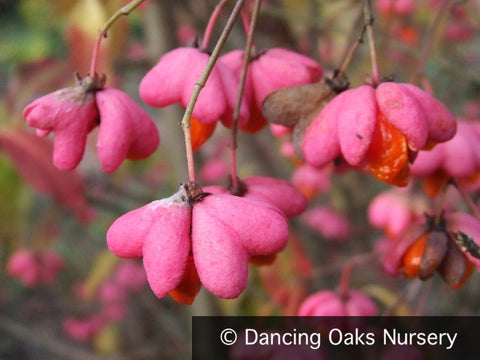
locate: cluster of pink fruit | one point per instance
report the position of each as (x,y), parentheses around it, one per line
(126,130)
(33,268)
(209,235)
(113,294)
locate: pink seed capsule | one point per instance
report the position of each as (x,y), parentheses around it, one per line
(126,236)
(71,114)
(126,130)
(172,80)
(330,303)
(277,192)
(226,231)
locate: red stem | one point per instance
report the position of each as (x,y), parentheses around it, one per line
(189,153)
(345,279)
(102,32)
(344,286)
(211,23)
(96,50)
(245,21)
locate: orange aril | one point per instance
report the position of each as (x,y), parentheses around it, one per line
(434,182)
(468,271)
(413,257)
(190,285)
(256,122)
(429,145)
(260,260)
(387,156)
(200,132)
(408,35)
(469,180)
(308,191)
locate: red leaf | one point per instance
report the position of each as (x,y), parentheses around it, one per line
(32,157)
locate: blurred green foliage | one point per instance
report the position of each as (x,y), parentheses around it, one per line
(28,32)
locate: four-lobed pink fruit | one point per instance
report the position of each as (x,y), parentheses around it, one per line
(126,130)
(220,231)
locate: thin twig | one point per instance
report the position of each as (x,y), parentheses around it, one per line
(344,284)
(441,202)
(351,51)
(241,87)
(211,22)
(345,279)
(427,45)
(102,32)
(201,83)
(471,205)
(368,17)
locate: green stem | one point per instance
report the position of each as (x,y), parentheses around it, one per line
(211,23)
(201,83)
(102,32)
(241,87)
(367,11)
